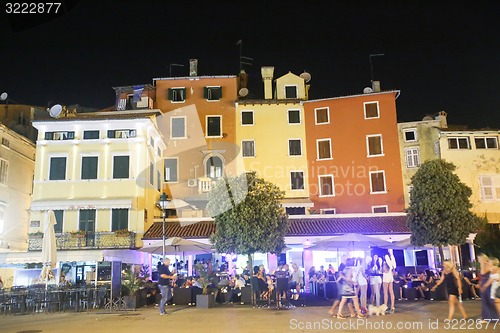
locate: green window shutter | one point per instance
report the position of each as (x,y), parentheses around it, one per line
(58,227)
(219,92)
(111,134)
(49,135)
(183,93)
(205,92)
(170,94)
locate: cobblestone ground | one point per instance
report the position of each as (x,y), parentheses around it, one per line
(418,316)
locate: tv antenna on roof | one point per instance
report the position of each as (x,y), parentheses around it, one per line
(371,65)
(243,60)
(170,68)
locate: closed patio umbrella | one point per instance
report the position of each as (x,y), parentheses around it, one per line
(49,248)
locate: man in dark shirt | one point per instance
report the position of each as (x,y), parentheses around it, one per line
(164,283)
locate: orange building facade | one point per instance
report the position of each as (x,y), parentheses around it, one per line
(353,154)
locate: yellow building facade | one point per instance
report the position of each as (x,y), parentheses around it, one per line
(271,136)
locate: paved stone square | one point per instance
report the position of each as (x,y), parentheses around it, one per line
(410,316)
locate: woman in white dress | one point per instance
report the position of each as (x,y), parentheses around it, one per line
(388,279)
(362,283)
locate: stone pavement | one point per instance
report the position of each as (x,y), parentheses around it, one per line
(410,316)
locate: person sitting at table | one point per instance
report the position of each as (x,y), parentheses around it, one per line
(262,281)
(237,283)
(330,273)
(473,287)
(421,284)
(297,280)
(312,273)
(321,272)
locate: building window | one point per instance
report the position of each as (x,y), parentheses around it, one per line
(87,220)
(247,117)
(214,167)
(121,167)
(326,186)
(294,116)
(371,110)
(90,135)
(4,171)
(171,167)
(296,180)
(377,182)
(176,94)
(322,116)
(459,143)
(248,148)
(122,134)
(89,167)
(214,126)
(295,210)
(328,211)
(291,92)
(379,209)
(158,151)
(490,188)
(324,150)
(5,142)
(152,174)
(57,168)
(410,135)
(294,147)
(178,127)
(158,180)
(412,157)
(59,214)
(59,135)
(374,145)
(119,219)
(212,93)
(486,143)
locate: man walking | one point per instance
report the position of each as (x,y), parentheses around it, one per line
(164,283)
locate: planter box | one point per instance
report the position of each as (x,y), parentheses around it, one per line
(205,301)
(131,302)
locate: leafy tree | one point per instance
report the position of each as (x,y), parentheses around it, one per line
(439,212)
(487,239)
(248,216)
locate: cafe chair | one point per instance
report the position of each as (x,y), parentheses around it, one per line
(260,302)
(282,294)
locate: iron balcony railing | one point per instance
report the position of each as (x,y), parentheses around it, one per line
(89,241)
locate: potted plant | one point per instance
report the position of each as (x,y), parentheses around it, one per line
(36,234)
(206,280)
(78,233)
(122,233)
(132,281)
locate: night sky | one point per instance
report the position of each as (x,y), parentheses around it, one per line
(441,56)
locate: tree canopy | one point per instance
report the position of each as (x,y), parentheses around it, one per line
(439,212)
(248,215)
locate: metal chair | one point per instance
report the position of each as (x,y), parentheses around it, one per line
(282,294)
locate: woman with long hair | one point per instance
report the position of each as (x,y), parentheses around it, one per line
(375,280)
(362,282)
(387,284)
(453,283)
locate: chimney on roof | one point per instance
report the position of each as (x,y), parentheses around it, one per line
(267,77)
(193,67)
(442,119)
(376,86)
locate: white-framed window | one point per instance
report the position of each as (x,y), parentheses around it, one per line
(380,209)
(177,94)
(294,117)
(294,147)
(377,182)
(248,148)
(328,211)
(214,126)
(323,149)
(90,167)
(247,118)
(296,180)
(57,168)
(171,169)
(61,135)
(119,218)
(121,167)
(91,135)
(212,93)
(410,135)
(374,145)
(490,187)
(178,127)
(322,115)
(459,143)
(4,171)
(214,166)
(486,142)
(412,157)
(371,110)
(326,185)
(291,91)
(122,134)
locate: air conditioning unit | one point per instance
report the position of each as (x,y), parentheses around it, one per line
(192,182)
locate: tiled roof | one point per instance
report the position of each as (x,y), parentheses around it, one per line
(318,226)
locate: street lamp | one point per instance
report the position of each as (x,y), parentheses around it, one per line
(163,205)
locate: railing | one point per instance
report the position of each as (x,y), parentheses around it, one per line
(97,240)
(205,184)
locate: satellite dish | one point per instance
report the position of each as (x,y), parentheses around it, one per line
(367,90)
(55,111)
(426,118)
(306,76)
(3,96)
(243,92)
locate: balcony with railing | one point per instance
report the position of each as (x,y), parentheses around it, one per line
(86,241)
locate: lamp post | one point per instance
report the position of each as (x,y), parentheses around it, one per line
(163,205)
